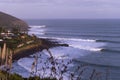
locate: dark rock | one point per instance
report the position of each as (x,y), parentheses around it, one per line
(65,45)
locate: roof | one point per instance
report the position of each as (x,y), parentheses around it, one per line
(1,39)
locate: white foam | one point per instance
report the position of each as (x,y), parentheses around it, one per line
(36,33)
(66,52)
(37,30)
(85,44)
(86,48)
(27,64)
(73,39)
(37,26)
(77,49)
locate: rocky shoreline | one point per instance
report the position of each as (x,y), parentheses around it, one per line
(33,48)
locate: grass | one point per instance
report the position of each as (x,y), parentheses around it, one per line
(6,76)
(26,47)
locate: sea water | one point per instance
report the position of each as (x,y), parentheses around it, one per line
(95,42)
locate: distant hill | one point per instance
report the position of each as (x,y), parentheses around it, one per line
(9,22)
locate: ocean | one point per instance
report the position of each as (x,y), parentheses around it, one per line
(93,42)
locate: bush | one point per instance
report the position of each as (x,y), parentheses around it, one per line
(6,76)
(15,77)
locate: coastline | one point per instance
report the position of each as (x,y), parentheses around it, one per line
(35,47)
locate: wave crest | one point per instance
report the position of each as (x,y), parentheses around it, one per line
(38,26)
(87,48)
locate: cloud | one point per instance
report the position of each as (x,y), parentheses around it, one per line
(16,1)
(24,1)
(61,8)
(67,2)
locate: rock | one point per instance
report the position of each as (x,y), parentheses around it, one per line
(65,45)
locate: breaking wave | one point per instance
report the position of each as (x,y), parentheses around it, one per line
(84,44)
(38,26)
(37,30)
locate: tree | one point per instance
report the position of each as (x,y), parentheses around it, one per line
(16,30)
(2,29)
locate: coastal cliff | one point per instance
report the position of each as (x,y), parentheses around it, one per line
(21,43)
(15,43)
(38,45)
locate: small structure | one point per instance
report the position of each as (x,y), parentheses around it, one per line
(1,40)
(7,35)
(3,34)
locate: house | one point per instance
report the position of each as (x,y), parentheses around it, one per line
(1,40)
(7,35)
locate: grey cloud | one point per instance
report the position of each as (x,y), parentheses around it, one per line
(26,1)
(68,2)
(61,8)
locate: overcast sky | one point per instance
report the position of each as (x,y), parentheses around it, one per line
(43,9)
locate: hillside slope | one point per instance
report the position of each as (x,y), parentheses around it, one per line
(9,22)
